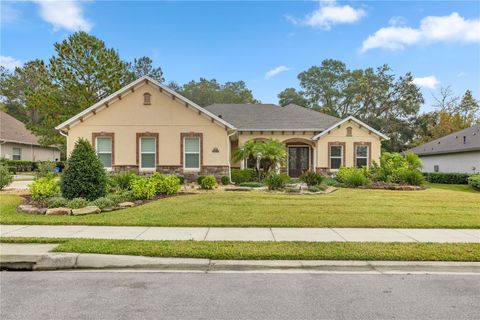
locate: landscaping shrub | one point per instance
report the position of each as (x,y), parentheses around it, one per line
(225,180)
(318,188)
(56,202)
(143,188)
(410,177)
(84,175)
(199,179)
(121,197)
(77,203)
(311,178)
(12,170)
(447,178)
(122,179)
(243,175)
(181,179)
(43,188)
(5,177)
(45,168)
(19,165)
(252,184)
(208,182)
(332,182)
(352,177)
(474,181)
(103,203)
(292,190)
(275,181)
(168,185)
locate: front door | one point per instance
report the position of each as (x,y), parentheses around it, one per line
(298,159)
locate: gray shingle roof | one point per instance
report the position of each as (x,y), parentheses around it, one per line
(272,117)
(452,143)
(13,130)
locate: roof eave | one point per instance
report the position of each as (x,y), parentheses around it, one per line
(351,118)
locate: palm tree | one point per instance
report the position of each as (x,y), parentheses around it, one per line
(273,153)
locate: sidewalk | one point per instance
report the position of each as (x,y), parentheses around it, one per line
(244,234)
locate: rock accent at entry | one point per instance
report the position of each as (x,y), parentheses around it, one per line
(126,204)
(58,211)
(86,210)
(27,208)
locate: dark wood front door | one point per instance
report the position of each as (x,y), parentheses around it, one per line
(298,159)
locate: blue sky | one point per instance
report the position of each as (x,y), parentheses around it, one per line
(265,44)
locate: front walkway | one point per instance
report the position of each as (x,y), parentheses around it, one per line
(244,234)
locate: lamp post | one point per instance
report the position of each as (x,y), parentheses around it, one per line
(259,158)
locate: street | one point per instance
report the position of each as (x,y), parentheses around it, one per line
(157,295)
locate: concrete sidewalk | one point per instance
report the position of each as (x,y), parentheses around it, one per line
(244,234)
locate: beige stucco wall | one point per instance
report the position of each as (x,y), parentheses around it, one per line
(29,152)
(165,116)
(340,135)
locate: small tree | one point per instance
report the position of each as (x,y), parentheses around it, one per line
(84,175)
(5,177)
(273,153)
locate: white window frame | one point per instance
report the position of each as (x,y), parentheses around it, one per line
(336,157)
(141,153)
(185,153)
(13,153)
(366,157)
(111,152)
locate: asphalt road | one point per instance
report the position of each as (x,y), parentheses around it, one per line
(154,295)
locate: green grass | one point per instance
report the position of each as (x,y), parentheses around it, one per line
(432,208)
(240,250)
(452,187)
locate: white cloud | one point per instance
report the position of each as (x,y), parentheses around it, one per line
(461,74)
(430,82)
(452,28)
(329,14)
(9,62)
(275,71)
(64,15)
(9,14)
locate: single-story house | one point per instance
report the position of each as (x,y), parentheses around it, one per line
(456,152)
(18,143)
(147,127)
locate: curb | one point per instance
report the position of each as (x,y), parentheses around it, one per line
(72,261)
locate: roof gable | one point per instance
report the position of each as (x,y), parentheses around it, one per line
(104,103)
(351,118)
(13,130)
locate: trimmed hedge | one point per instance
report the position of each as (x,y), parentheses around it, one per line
(474,181)
(447,178)
(243,175)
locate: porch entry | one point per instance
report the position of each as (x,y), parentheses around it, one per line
(298,160)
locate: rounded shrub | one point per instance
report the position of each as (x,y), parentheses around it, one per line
(143,188)
(45,168)
(103,203)
(208,182)
(84,175)
(225,180)
(243,175)
(474,181)
(199,179)
(56,202)
(311,178)
(411,177)
(6,177)
(43,188)
(181,179)
(352,177)
(276,181)
(166,184)
(77,203)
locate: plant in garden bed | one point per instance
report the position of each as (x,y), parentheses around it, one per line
(56,202)
(276,181)
(167,185)
(252,184)
(208,182)
(311,178)
(352,177)
(45,168)
(5,177)
(84,175)
(43,188)
(103,203)
(77,203)
(474,181)
(225,180)
(243,175)
(144,188)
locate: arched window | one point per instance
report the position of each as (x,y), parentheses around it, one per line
(349,131)
(146,98)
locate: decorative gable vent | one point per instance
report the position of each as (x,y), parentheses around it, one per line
(349,131)
(147,98)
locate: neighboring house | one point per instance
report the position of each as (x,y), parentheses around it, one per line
(146,126)
(18,143)
(456,152)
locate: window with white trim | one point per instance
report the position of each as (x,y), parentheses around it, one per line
(16,153)
(336,156)
(361,156)
(104,151)
(191,153)
(148,153)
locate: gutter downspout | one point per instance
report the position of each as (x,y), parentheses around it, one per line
(66,136)
(230,155)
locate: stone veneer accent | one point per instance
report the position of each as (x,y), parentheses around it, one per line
(216,171)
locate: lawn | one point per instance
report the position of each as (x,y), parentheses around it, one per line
(240,250)
(432,208)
